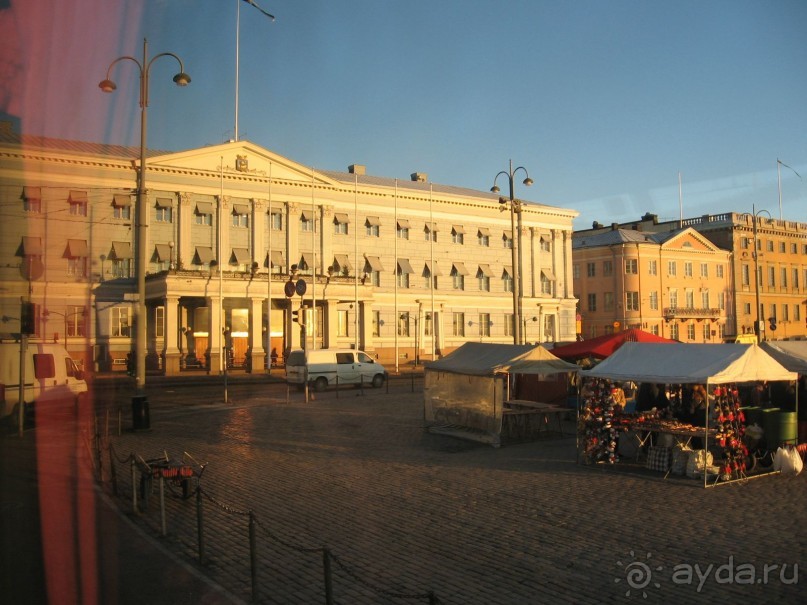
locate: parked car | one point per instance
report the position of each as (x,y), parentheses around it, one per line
(327,367)
(51,376)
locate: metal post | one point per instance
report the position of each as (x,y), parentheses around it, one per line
(253,556)
(200,525)
(326,567)
(162,505)
(134,487)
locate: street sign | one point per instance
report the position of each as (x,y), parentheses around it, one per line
(289,289)
(300,287)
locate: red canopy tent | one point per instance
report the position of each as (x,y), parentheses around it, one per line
(602,346)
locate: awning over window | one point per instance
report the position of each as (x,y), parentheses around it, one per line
(431,227)
(120,251)
(31,246)
(457,229)
(204,208)
(77,197)
(342,262)
(276,258)
(433,269)
(121,200)
(162,252)
(485,270)
(484,232)
(373,221)
(508,234)
(306,260)
(375,263)
(241,256)
(31,193)
(341,217)
(460,269)
(403,223)
(404,266)
(240,209)
(165,202)
(547,273)
(508,270)
(76,248)
(306,215)
(205,255)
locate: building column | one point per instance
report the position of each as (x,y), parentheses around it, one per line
(329,310)
(366,325)
(257,353)
(171,351)
(215,336)
(184,219)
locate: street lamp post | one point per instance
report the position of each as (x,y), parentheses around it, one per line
(515,215)
(107,85)
(755,255)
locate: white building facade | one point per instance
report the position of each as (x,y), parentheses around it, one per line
(406,270)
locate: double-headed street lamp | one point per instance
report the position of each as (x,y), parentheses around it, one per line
(515,211)
(755,255)
(107,85)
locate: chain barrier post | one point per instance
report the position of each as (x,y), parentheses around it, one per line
(361,384)
(162,505)
(326,567)
(134,487)
(253,557)
(200,525)
(337,386)
(113,475)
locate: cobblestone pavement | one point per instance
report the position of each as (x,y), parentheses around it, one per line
(405,512)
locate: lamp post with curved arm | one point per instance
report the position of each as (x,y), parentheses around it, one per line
(515,211)
(107,85)
(755,255)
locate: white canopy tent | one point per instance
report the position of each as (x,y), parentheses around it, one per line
(679,363)
(792,354)
(465,391)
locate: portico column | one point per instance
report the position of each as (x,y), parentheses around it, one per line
(257,353)
(216,339)
(171,352)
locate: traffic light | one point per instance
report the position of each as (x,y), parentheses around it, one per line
(28,315)
(772,321)
(295,315)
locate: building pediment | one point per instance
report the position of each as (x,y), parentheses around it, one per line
(688,239)
(239,157)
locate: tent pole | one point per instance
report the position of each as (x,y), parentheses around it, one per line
(706,438)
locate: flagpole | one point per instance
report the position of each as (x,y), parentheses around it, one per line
(237,56)
(779,181)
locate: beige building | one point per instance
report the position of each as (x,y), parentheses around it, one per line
(407,270)
(675,284)
(773,250)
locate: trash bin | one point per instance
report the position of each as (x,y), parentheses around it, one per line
(140,412)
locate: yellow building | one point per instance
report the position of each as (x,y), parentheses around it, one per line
(404,269)
(673,284)
(773,250)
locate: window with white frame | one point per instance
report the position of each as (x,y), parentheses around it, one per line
(458,324)
(403,323)
(483,277)
(654,300)
(507,281)
(507,240)
(508,324)
(688,269)
(308,223)
(707,332)
(342,323)
(546,243)
(631,301)
(457,235)
(772,277)
(691,331)
(607,268)
(673,298)
(784,278)
(159,322)
(32,199)
(690,299)
(120,322)
(795,279)
(76,320)
(483,237)
(402,229)
(797,312)
(705,299)
(575,271)
(631,266)
(484,324)
(674,331)
(164,214)
(340,224)
(78,203)
(745,273)
(652,267)
(672,267)
(376,323)
(719,271)
(721,301)
(121,207)
(240,217)
(608,301)
(704,270)
(372,226)
(276,220)
(430,233)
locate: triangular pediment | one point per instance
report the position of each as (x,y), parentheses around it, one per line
(689,239)
(239,157)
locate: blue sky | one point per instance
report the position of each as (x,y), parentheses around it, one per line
(604,102)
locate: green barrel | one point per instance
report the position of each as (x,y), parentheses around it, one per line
(780,427)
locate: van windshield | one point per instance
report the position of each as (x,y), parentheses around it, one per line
(296,358)
(365,358)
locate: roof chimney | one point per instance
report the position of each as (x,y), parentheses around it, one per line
(359,169)
(419,177)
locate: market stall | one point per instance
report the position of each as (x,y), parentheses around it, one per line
(601,347)
(472,392)
(722,451)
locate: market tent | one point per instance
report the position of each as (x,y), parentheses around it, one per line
(680,363)
(487,359)
(603,346)
(792,354)
(465,392)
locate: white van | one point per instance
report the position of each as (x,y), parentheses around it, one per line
(324,367)
(51,375)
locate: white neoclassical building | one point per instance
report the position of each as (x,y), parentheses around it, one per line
(404,269)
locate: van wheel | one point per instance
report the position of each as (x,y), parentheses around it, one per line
(378,381)
(320,384)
